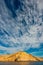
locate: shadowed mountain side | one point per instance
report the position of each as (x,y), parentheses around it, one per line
(19,56)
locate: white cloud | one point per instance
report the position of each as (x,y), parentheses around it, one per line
(40,4)
(31,34)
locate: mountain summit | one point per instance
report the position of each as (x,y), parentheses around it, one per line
(19,56)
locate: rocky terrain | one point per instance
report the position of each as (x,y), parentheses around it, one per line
(19,56)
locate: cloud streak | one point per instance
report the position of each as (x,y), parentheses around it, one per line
(23,31)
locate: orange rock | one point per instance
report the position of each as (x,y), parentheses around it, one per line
(19,56)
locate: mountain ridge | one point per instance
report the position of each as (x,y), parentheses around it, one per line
(19,56)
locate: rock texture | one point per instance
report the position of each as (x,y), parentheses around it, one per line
(19,56)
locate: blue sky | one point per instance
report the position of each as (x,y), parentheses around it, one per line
(21,26)
(36,51)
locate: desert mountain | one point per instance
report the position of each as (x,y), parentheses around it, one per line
(19,56)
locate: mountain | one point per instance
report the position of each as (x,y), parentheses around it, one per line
(19,56)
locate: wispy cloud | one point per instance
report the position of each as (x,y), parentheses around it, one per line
(24,31)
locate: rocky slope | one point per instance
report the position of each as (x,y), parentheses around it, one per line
(19,56)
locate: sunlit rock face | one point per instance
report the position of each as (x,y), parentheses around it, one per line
(21,25)
(19,56)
